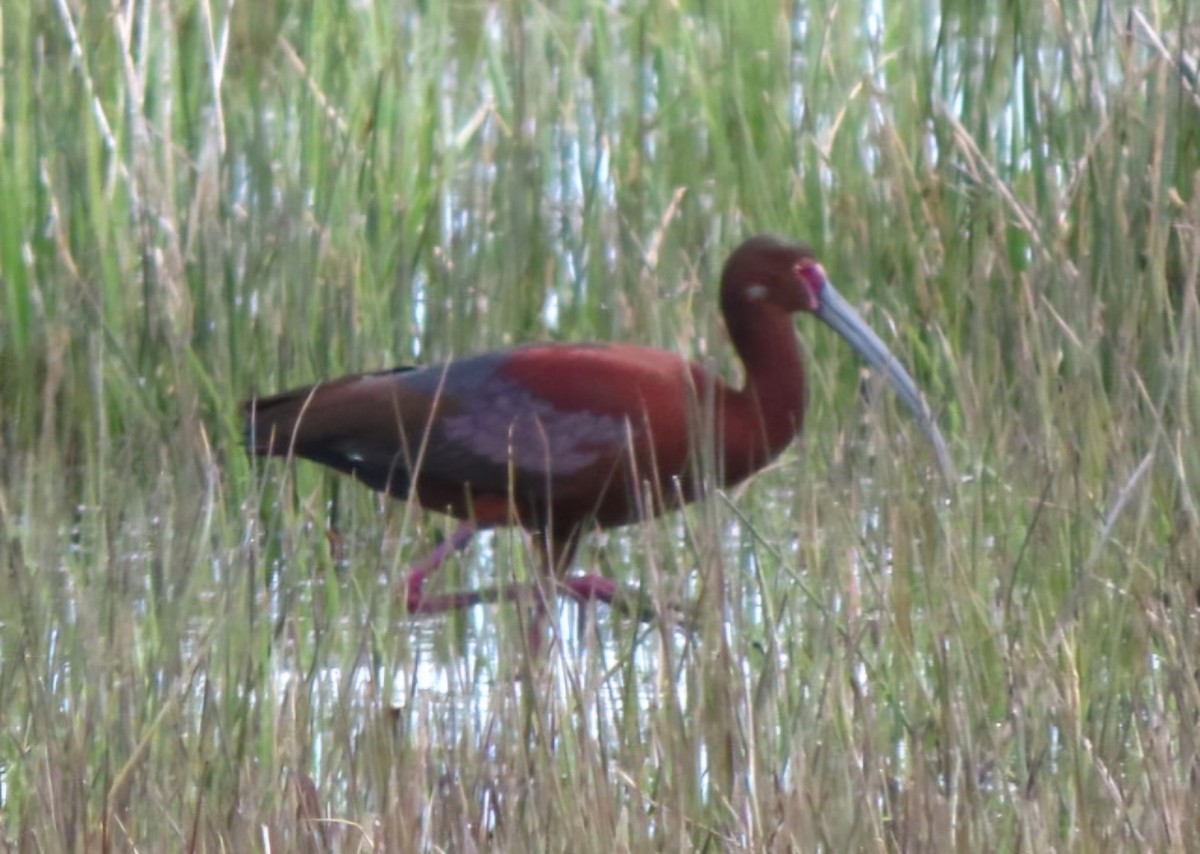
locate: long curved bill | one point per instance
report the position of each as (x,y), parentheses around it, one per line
(841,317)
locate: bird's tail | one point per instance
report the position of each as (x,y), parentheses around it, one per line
(276,426)
(314,420)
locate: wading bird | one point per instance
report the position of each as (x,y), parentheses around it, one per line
(564,438)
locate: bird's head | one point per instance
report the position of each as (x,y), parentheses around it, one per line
(771,274)
(767,276)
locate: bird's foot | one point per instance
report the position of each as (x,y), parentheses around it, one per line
(631,602)
(584,589)
(420,603)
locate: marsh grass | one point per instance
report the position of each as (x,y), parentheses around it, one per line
(200,652)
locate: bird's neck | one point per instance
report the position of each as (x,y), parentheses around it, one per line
(769,408)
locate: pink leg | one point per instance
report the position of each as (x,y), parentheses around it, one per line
(440,603)
(414,579)
(598,588)
(591,588)
(581,588)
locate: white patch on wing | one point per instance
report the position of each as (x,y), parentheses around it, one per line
(513,425)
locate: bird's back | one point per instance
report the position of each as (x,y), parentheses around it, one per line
(573,427)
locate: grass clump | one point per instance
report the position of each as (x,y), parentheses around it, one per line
(203,202)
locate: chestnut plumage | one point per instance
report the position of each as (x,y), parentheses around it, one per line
(562,438)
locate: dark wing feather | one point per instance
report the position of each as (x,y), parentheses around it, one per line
(527,421)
